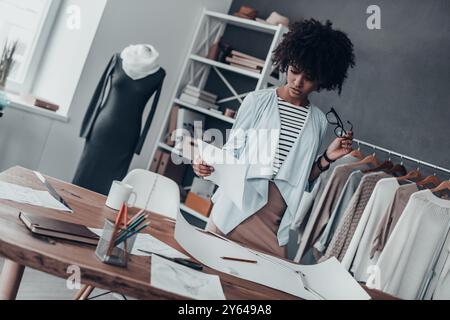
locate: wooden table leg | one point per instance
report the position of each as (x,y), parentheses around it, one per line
(87,293)
(80,292)
(10,280)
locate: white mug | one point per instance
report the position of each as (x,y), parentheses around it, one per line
(119,193)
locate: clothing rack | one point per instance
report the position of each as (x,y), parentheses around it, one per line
(402,156)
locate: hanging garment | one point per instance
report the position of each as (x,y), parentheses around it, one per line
(347,193)
(405,262)
(439,286)
(390,218)
(344,233)
(325,176)
(259,231)
(309,205)
(326,204)
(357,257)
(112,126)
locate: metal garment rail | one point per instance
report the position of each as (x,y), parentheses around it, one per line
(402,156)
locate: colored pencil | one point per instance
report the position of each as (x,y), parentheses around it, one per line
(239,259)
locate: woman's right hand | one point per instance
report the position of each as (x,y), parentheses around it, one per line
(201,168)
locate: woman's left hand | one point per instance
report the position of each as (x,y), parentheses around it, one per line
(340,147)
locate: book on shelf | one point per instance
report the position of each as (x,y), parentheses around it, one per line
(199,96)
(155,161)
(171,170)
(202,92)
(197,102)
(189,148)
(216,111)
(186,121)
(245,68)
(244,62)
(246,56)
(170,140)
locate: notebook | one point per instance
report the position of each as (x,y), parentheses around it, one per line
(58,229)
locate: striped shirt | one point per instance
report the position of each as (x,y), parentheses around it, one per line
(292,121)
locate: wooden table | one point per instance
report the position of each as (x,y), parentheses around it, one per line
(21,249)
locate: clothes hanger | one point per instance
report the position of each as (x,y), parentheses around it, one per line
(445,185)
(443,190)
(432,180)
(357,153)
(386,165)
(397,170)
(413,175)
(371,159)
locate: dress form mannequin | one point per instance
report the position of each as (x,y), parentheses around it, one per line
(112,125)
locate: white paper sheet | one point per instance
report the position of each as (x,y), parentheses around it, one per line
(229,173)
(151,244)
(9,191)
(328,280)
(209,249)
(173,277)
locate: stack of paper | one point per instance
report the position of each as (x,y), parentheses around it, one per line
(173,277)
(200,98)
(229,172)
(328,280)
(9,191)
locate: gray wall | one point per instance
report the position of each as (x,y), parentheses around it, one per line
(54,147)
(398,94)
(167,24)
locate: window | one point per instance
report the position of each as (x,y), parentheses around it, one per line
(29,22)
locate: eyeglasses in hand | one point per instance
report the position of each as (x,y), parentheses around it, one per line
(334,119)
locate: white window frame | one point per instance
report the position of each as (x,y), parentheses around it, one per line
(37,48)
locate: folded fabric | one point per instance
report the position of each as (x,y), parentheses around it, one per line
(140,61)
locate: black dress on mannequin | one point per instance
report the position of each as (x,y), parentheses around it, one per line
(112,125)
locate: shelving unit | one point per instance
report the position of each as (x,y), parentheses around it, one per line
(204,111)
(197,67)
(225,66)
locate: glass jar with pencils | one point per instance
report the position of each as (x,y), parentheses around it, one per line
(115,245)
(117,240)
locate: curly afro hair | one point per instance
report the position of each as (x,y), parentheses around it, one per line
(323,53)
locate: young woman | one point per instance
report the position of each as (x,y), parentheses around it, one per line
(315,57)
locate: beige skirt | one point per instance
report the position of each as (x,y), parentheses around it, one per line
(259,231)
